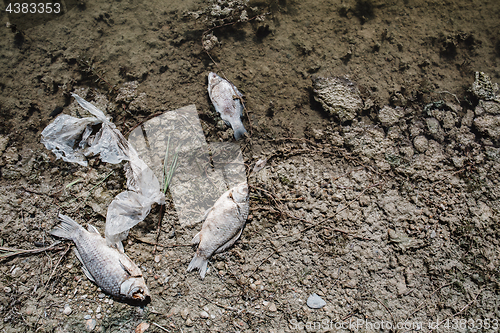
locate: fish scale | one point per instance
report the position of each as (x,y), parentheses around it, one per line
(222,226)
(110,269)
(101,263)
(227,101)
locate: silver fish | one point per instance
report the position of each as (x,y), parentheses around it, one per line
(222,227)
(227,101)
(110,269)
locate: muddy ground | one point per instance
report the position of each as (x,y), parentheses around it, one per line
(392,217)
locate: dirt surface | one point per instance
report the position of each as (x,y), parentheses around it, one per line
(392,217)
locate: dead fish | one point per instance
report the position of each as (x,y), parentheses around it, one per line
(222,227)
(227,101)
(110,269)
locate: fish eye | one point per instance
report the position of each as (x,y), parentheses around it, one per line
(139,294)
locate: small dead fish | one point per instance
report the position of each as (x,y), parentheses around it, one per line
(227,101)
(110,269)
(222,227)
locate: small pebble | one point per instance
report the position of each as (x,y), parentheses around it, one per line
(90,324)
(184,313)
(7,289)
(204,314)
(142,327)
(315,302)
(272,307)
(189,322)
(86,317)
(101,295)
(157,258)
(17,272)
(67,310)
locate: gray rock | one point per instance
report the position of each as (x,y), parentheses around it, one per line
(339,96)
(315,302)
(449,120)
(139,103)
(435,129)
(390,116)
(484,89)
(487,107)
(468,118)
(272,307)
(127,92)
(67,310)
(204,314)
(421,143)
(489,125)
(90,324)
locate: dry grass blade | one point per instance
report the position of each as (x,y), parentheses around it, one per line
(57,264)
(161,327)
(10,252)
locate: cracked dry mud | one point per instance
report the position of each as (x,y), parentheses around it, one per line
(390,218)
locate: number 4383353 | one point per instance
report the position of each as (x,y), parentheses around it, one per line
(33,8)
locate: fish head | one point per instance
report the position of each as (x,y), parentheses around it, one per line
(134,288)
(213,80)
(212,77)
(240,192)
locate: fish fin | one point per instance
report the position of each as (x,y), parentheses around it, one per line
(67,227)
(239,132)
(198,263)
(196,239)
(229,243)
(206,214)
(119,247)
(130,267)
(93,230)
(84,268)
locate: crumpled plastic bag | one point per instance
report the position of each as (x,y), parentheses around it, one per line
(131,207)
(72,140)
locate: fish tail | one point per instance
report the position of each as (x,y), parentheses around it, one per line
(198,263)
(239,131)
(67,227)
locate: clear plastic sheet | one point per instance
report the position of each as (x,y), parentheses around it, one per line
(203,172)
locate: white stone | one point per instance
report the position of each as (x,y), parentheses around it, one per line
(315,302)
(67,310)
